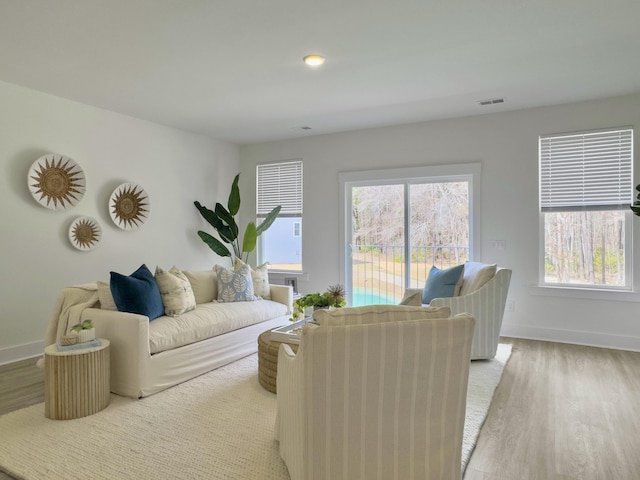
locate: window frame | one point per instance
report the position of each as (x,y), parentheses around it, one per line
(470,172)
(567,288)
(299,201)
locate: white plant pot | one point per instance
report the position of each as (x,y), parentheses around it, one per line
(86,335)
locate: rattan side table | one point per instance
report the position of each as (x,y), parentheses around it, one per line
(268,360)
(76,382)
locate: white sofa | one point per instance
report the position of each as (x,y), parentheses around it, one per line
(485,302)
(147,357)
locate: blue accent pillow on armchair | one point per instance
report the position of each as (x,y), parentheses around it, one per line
(442,283)
(137,293)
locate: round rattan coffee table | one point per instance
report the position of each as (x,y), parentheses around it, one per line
(268,360)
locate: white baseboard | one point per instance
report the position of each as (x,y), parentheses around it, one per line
(592,339)
(21,352)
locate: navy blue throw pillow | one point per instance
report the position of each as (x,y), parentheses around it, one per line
(137,293)
(441,283)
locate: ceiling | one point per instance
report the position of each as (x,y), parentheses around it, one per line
(233,69)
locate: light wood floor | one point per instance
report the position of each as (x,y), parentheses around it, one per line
(561,412)
(21,385)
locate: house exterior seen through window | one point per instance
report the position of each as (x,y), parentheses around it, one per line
(585,193)
(280,184)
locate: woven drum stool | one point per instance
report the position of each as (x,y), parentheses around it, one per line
(268,360)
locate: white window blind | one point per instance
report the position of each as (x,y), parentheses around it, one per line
(279,184)
(586,171)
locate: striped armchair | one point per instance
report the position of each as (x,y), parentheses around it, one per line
(487,305)
(379,400)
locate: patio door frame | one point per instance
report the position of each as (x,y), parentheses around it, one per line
(465,172)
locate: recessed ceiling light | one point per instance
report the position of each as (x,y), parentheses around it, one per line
(313,60)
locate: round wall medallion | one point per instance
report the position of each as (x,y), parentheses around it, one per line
(85,233)
(129,206)
(56,182)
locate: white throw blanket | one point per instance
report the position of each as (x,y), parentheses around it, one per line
(68,310)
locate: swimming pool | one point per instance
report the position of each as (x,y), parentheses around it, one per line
(366,297)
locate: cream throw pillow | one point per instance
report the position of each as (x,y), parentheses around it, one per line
(105,297)
(260,277)
(377,314)
(475,275)
(175,291)
(204,285)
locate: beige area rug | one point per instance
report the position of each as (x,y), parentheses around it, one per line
(217,426)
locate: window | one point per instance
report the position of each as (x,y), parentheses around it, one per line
(280,184)
(585,193)
(399,223)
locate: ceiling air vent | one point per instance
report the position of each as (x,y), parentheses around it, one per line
(491,101)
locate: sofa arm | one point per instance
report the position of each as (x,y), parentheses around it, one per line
(283,294)
(129,337)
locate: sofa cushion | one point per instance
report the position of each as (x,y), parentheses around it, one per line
(204,284)
(475,275)
(209,320)
(377,314)
(443,283)
(260,278)
(235,285)
(137,293)
(175,291)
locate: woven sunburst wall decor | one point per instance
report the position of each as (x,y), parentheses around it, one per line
(85,233)
(129,206)
(56,182)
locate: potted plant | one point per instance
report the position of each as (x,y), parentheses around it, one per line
(223,220)
(84,331)
(334,297)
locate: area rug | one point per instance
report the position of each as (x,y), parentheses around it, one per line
(216,426)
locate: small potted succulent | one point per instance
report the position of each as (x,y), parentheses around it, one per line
(334,297)
(84,331)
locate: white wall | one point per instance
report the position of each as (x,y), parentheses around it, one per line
(174,167)
(506,144)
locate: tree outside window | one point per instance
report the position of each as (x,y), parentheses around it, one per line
(585,192)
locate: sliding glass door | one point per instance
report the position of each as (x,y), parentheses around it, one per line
(396,230)
(377,243)
(438,228)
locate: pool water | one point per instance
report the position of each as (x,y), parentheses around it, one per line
(363,297)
